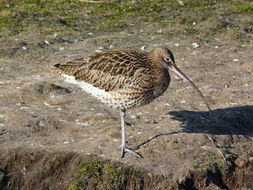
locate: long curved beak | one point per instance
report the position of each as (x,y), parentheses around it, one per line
(183,76)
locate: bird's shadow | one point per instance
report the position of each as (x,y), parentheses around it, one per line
(226,121)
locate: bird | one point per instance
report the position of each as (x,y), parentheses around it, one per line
(124,78)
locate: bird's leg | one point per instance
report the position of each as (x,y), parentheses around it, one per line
(123,137)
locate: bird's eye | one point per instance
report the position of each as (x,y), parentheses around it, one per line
(167,59)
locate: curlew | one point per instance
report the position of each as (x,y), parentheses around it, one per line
(124,79)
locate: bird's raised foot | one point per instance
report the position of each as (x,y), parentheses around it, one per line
(130,150)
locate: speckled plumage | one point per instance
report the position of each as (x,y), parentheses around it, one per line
(124,78)
(128,77)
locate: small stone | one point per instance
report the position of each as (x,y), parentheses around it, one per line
(176,44)
(159,31)
(195,45)
(47,42)
(235,60)
(24,48)
(216,47)
(206,148)
(90,34)
(66,142)
(184,124)
(181,2)
(98,51)
(61,48)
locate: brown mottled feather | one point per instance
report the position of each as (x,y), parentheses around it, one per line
(116,69)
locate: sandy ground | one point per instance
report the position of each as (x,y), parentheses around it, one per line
(175,134)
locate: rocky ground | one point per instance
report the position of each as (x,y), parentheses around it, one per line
(54,136)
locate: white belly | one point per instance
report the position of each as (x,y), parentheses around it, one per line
(114,99)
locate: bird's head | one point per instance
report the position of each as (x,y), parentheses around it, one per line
(166,59)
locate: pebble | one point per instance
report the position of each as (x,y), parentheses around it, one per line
(24,48)
(98,51)
(47,104)
(47,42)
(159,31)
(181,2)
(24,108)
(195,45)
(235,60)
(206,147)
(61,48)
(176,44)
(184,124)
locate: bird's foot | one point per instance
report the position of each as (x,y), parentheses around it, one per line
(130,150)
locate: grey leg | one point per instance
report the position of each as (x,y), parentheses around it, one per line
(123,137)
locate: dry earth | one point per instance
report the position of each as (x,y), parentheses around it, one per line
(48,128)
